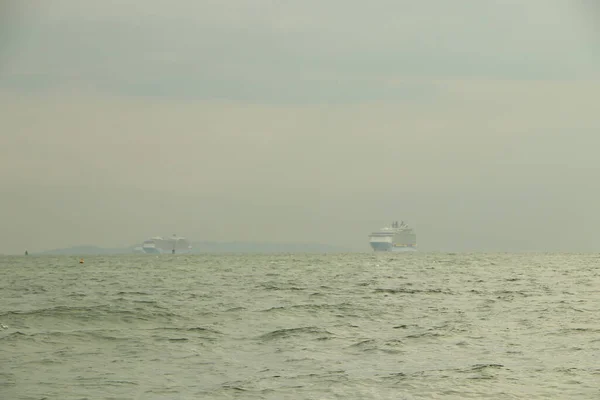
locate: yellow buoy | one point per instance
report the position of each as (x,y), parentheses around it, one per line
(81,261)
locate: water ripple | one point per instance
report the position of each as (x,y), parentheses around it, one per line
(352,326)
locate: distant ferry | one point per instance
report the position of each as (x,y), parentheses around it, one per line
(173,245)
(397,237)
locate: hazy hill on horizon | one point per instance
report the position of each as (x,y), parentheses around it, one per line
(208,247)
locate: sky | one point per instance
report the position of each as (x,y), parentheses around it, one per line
(300,121)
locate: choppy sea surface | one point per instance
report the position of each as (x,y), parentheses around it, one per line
(301,326)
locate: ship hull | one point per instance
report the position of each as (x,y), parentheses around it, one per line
(159,245)
(163,251)
(397,238)
(381,246)
(403,249)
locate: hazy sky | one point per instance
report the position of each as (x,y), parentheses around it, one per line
(312,121)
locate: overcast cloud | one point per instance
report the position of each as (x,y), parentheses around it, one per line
(312,121)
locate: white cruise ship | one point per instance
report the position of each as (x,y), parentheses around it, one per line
(397,237)
(173,245)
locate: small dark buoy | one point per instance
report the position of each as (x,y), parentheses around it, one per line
(26,253)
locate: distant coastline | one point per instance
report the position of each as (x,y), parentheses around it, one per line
(207,247)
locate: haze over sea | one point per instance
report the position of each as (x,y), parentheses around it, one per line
(301,326)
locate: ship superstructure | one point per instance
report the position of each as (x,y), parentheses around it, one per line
(397,237)
(159,245)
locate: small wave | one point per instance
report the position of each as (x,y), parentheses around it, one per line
(372,345)
(108,335)
(300,359)
(272,286)
(269,287)
(62,337)
(196,329)
(475,291)
(34,289)
(198,296)
(115,383)
(395,376)
(292,332)
(14,335)
(234,309)
(234,386)
(311,307)
(153,302)
(7,379)
(273,309)
(479,367)
(58,310)
(503,294)
(413,291)
(422,335)
(570,370)
(97,312)
(200,329)
(363,343)
(135,293)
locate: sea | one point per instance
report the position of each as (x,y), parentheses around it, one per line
(300,326)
